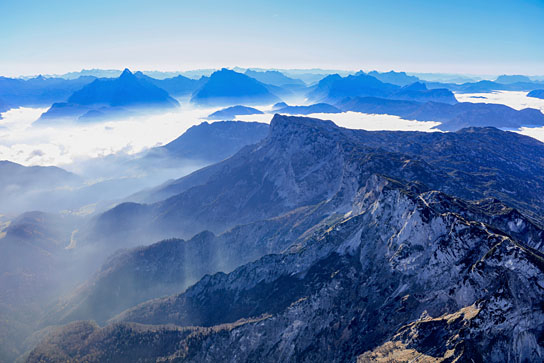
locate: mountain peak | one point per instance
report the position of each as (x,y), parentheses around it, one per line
(126,73)
(227,87)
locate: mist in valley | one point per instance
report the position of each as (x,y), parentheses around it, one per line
(66,175)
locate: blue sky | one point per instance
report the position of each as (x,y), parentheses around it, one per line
(478,36)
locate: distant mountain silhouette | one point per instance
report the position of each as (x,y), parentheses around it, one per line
(508,79)
(398,78)
(127,90)
(487,86)
(452,117)
(204,199)
(38,91)
(335,88)
(537,93)
(306,110)
(279,105)
(226,87)
(231,112)
(108,97)
(215,141)
(274,78)
(175,86)
(200,146)
(16,180)
(114,73)
(94,72)
(418,92)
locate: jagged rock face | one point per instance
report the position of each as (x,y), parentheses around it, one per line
(394,277)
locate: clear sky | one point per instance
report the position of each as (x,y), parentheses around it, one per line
(456,36)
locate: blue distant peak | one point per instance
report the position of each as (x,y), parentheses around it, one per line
(126,73)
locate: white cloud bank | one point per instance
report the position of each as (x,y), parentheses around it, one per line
(61,144)
(66,144)
(514,99)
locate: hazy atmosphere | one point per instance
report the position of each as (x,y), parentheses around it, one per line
(250,181)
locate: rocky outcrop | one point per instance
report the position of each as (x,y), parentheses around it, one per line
(394,277)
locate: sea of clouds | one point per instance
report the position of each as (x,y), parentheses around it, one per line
(66,145)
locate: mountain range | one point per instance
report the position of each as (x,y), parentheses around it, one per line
(186,211)
(105,98)
(274,78)
(335,88)
(398,78)
(211,142)
(441,167)
(175,86)
(227,87)
(513,78)
(39,91)
(327,244)
(295,241)
(452,116)
(42,256)
(487,86)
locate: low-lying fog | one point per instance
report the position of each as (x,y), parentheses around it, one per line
(514,99)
